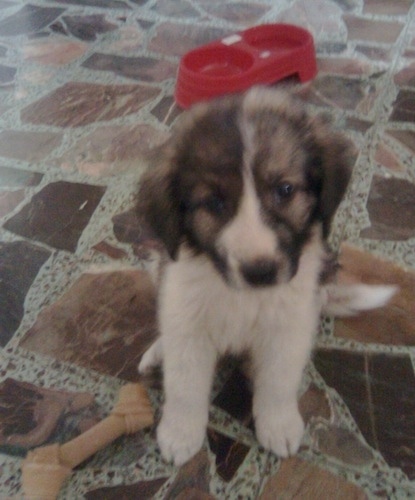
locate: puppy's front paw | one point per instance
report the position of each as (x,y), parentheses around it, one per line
(180,436)
(151,358)
(280,430)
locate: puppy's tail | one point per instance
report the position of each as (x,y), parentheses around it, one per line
(348,300)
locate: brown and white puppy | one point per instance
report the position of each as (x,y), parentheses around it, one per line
(243,201)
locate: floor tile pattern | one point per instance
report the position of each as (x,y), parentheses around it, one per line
(86,94)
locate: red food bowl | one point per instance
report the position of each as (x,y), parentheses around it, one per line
(263,54)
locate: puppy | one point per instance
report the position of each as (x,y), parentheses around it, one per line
(243,201)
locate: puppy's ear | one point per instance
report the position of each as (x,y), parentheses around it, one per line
(337,156)
(156,202)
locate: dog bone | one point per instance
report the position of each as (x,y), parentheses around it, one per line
(45,469)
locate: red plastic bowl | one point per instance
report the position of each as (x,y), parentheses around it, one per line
(263,54)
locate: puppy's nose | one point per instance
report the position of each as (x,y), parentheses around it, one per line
(260,272)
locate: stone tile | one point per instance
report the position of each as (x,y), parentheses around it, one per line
(31,415)
(375,53)
(54,51)
(88,27)
(166,111)
(112,149)
(360,28)
(176,39)
(297,478)
(245,14)
(28,146)
(144,490)
(7,74)
(343,66)
(28,19)
(111,315)
(71,204)
(193,474)
(103,4)
(76,104)
(179,8)
(386,7)
(9,200)
(146,69)
(110,250)
(387,158)
(230,454)
(392,217)
(341,444)
(358,125)
(404,107)
(20,263)
(392,324)
(13,177)
(406,77)
(379,390)
(405,137)
(313,404)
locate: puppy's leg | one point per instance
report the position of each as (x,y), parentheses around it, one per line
(278,368)
(151,358)
(189,363)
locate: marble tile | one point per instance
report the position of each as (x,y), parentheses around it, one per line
(393,324)
(7,74)
(387,158)
(179,8)
(104,322)
(347,67)
(28,146)
(146,69)
(72,205)
(230,454)
(375,53)
(194,474)
(88,27)
(379,390)
(166,111)
(406,76)
(20,262)
(244,14)
(31,415)
(297,478)
(103,4)
(360,28)
(392,217)
(9,200)
(77,104)
(405,137)
(29,19)
(54,51)
(314,404)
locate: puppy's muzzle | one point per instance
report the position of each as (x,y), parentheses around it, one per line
(260,272)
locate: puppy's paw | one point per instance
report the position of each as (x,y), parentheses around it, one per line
(280,430)
(151,358)
(180,437)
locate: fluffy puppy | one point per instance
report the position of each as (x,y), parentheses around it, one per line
(243,201)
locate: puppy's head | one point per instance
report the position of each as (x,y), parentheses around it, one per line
(245,180)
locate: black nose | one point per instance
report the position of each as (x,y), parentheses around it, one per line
(260,272)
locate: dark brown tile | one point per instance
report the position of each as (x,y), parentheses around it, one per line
(387,158)
(375,53)
(103,4)
(76,104)
(29,19)
(111,315)
(392,324)
(405,137)
(230,454)
(88,27)
(379,390)
(342,66)
(369,30)
(404,107)
(28,146)
(144,490)
(58,214)
(406,76)
(7,74)
(179,8)
(314,403)
(166,111)
(392,217)
(297,478)
(9,200)
(20,263)
(31,415)
(146,69)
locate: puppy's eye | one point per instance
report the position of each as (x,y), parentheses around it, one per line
(214,204)
(283,191)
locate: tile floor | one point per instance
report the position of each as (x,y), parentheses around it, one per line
(85,93)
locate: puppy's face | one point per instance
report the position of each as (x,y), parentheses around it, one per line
(245,180)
